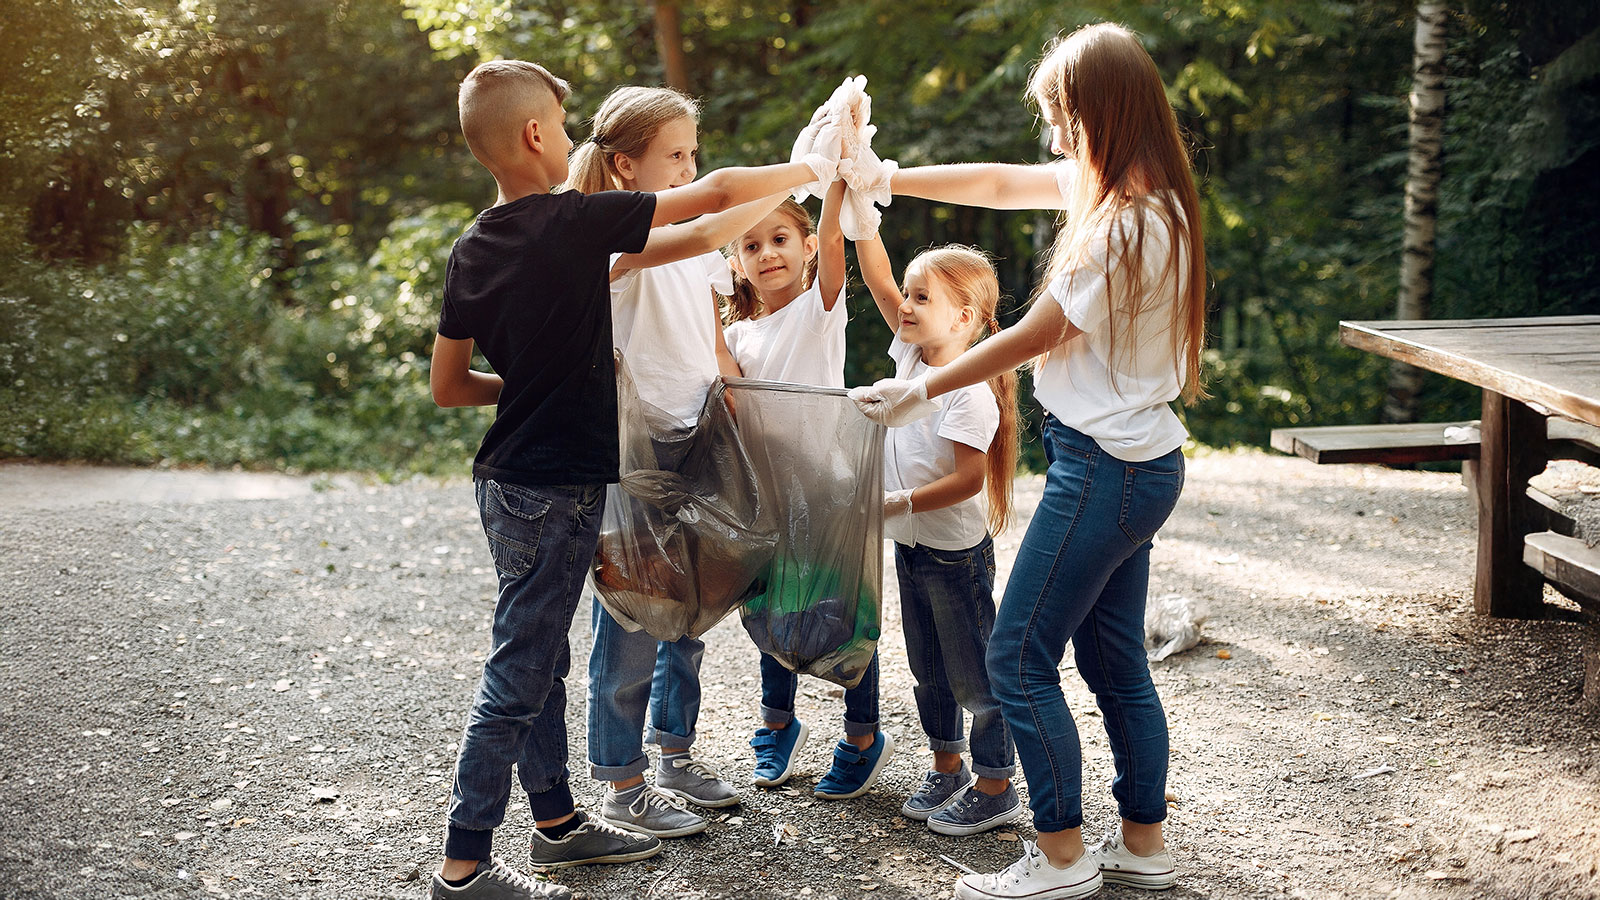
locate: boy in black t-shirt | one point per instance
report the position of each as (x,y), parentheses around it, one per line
(527,283)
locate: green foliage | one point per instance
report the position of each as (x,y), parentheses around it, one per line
(226,223)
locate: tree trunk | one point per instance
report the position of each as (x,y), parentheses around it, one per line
(669,44)
(1422,199)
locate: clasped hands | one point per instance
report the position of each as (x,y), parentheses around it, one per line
(840,131)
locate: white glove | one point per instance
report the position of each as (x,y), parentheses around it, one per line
(895,505)
(819,150)
(894,401)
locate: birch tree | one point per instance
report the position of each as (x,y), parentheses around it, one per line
(1422,199)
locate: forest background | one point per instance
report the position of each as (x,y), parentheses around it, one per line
(223,223)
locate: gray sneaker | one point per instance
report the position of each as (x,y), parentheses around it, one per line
(494,880)
(593,841)
(937,791)
(975,811)
(694,781)
(646,809)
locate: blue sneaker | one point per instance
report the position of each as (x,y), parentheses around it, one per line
(855,771)
(776,752)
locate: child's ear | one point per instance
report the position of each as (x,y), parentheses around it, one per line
(738,267)
(811,245)
(965,319)
(531,136)
(624,165)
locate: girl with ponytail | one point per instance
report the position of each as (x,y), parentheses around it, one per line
(664,318)
(934,471)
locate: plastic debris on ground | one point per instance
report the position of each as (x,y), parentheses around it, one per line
(1171,625)
(817,608)
(685,534)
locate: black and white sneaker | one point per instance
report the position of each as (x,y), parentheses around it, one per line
(495,880)
(593,841)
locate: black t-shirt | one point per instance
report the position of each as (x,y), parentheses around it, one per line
(529,283)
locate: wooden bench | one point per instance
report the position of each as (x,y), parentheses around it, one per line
(1573,566)
(1423,442)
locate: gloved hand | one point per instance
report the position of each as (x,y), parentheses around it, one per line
(818,146)
(895,505)
(894,401)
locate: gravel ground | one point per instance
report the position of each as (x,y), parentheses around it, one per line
(263,698)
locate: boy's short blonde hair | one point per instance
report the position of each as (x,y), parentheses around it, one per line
(499,96)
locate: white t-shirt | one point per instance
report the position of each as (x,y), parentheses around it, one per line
(801,343)
(924,451)
(1122,398)
(664,320)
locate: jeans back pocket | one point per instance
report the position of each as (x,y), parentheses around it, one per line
(513,520)
(1149,494)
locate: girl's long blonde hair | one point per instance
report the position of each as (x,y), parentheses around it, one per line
(745,303)
(1101,86)
(971,280)
(628,120)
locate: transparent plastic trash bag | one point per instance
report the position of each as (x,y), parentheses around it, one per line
(817,608)
(1171,625)
(685,533)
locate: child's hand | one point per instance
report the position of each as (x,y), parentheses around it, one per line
(817,146)
(896,504)
(894,401)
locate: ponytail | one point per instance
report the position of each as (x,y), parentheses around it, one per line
(591,170)
(1001,461)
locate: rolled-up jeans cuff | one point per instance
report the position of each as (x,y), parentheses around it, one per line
(654,735)
(781,716)
(1143,816)
(939,746)
(619,773)
(860,729)
(1046,827)
(468,843)
(1000,772)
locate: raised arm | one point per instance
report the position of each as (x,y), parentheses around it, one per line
(452,380)
(878,273)
(830,247)
(670,243)
(993,185)
(727,188)
(1043,328)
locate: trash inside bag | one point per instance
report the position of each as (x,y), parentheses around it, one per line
(685,533)
(817,607)
(1171,625)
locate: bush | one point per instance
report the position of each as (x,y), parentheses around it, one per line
(200,353)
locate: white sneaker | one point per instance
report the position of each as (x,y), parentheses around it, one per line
(1119,865)
(1034,878)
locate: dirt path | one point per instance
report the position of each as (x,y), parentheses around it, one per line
(262,698)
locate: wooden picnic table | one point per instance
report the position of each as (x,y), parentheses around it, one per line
(1529,369)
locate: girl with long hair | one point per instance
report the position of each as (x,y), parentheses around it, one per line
(665,322)
(1116,332)
(935,471)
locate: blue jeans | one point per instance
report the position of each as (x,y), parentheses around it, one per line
(778,686)
(543,541)
(1082,572)
(947,606)
(626,671)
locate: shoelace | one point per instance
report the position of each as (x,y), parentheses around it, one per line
(650,797)
(696,767)
(606,828)
(499,871)
(931,783)
(1019,870)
